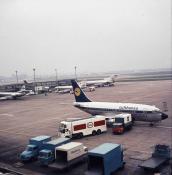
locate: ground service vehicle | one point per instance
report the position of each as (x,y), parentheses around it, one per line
(83,126)
(47,154)
(35,145)
(105,159)
(160,156)
(69,154)
(122,123)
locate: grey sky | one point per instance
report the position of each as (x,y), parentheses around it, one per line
(94,35)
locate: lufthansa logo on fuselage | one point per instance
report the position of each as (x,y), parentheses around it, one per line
(77,91)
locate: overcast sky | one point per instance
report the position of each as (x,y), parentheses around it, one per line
(94,35)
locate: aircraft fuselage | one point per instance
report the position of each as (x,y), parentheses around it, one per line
(139,112)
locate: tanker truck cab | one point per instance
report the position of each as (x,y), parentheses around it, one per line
(65,129)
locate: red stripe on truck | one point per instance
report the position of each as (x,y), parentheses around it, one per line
(99,123)
(79,127)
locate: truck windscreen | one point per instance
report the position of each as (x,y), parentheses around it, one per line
(119,120)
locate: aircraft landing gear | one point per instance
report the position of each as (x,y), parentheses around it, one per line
(152,124)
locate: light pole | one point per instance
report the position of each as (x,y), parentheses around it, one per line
(16,76)
(75,73)
(34,74)
(56,76)
(34,77)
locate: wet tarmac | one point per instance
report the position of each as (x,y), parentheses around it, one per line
(40,115)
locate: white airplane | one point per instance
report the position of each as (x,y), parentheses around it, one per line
(69,89)
(27,92)
(139,112)
(12,95)
(100,83)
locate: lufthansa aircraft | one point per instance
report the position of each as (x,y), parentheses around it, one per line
(139,112)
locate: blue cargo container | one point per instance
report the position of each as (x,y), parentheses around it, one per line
(35,145)
(47,154)
(105,159)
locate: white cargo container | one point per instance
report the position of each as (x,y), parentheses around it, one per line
(69,154)
(80,127)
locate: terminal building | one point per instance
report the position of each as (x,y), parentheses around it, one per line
(31,85)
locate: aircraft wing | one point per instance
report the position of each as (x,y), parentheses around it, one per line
(6,98)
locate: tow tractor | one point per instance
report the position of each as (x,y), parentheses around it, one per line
(122,122)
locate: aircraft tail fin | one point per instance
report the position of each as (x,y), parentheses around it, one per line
(78,93)
(25,82)
(112,78)
(23,88)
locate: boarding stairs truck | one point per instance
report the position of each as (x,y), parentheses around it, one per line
(69,154)
(160,156)
(122,123)
(79,127)
(47,154)
(105,159)
(35,145)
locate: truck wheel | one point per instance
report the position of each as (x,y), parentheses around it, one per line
(32,159)
(94,133)
(80,135)
(122,167)
(122,132)
(130,127)
(99,132)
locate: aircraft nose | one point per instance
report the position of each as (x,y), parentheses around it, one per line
(164,116)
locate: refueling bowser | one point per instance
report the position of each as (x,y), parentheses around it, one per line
(79,127)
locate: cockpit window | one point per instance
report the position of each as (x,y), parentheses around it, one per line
(62,125)
(149,112)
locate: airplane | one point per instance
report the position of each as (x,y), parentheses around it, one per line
(36,89)
(139,112)
(101,83)
(26,91)
(69,89)
(11,95)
